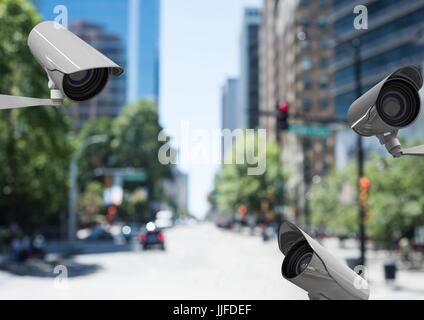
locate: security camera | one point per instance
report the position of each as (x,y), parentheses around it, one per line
(311,267)
(75,70)
(391,105)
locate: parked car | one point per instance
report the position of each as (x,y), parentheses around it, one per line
(224,222)
(152,237)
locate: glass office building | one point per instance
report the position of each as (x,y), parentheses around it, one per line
(136,23)
(249,69)
(391,41)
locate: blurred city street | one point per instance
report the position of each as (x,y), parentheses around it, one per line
(200,264)
(178,148)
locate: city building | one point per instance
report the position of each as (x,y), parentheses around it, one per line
(177,190)
(110,102)
(231,119)
(135,22)
(393,40)
(295,59)
(249,69)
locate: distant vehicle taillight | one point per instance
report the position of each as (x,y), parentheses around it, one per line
(160,236)
(143,237)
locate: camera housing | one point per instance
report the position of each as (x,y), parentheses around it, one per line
(75,70)
(311,267)
(391,105)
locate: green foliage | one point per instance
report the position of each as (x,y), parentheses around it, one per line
(396,200)
(326,208)
(133,143)
(90,203)
(34,142)
(136,144)
(235,187)
(397,197)
(97,155)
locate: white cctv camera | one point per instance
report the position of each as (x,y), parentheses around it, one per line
(392,104)
(311,267)
(75,70)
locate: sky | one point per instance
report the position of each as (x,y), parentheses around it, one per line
(199,51)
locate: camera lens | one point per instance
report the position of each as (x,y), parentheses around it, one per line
(84,85)
(297,259)
(398,104)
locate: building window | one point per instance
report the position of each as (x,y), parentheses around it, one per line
(324,63)
(305,22)
(304,3)
(323,81)
(323,103)
(307,83)
(324,42)
(322,22)
(307,104)
(306,63)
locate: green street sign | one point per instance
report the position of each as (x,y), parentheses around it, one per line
(134,177)
(320,131)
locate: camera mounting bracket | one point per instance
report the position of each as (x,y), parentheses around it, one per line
(12,102)
(392,144)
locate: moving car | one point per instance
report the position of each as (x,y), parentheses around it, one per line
(152,237)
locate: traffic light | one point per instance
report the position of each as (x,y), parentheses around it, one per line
(282,117)
(364,188)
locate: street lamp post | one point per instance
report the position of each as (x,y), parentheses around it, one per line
(356,44)
(73,184)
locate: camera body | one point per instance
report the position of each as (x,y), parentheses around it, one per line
(392,104)
(311,267)
(76,69)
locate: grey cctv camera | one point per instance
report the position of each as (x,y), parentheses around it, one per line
(311,267)
(75,70)
(392,104)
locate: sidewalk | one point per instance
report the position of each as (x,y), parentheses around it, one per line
(409,284)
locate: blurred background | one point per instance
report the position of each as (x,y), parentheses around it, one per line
(87,210)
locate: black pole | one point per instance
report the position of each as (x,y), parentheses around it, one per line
(360,150)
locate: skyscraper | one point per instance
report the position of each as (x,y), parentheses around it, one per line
(230,116)
(249,70)
(295,69)
(136,23)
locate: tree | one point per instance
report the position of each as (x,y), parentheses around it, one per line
(90,203)
(97,155)
(397,197)
(328,209)
(261,194)
(396,201)
(34,143)
(136,145)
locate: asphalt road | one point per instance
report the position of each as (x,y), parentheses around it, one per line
(201,262)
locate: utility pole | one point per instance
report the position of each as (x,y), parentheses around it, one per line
(356,44)
(73,185)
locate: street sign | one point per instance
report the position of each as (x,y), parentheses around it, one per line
(321,131)
(134,176)
(127,174)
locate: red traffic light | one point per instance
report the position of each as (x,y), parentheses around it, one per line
(243,210)
(283,107)
(365,183)
(111,211)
